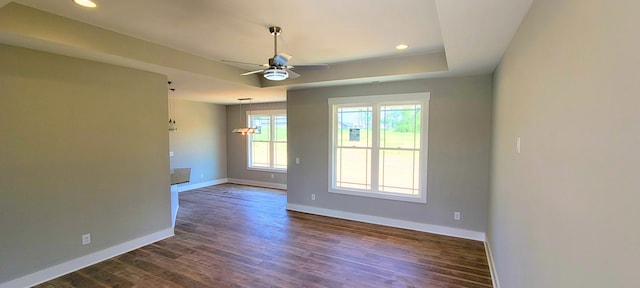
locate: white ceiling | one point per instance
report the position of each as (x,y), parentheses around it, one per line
(344,34)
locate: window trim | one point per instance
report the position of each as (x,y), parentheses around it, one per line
(272,114)
(423,98)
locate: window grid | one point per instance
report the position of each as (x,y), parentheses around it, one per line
(362,121)
(392,142)
(269,141)
(385,147)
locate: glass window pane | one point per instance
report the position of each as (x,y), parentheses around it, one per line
(281,127)
(399,171)
(389,168)
(280,155)
(353,168)
(263,123)
(268,146)
(260,154)
(400,126)
(354,126)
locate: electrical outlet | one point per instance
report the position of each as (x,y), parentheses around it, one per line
(201,175)
(297,160)
(272,176)
(170,154)
(313,196)
(456,215)
(86,239)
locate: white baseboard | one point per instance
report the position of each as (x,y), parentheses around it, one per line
(187,187)
(84,261)
(258,183)
(492,264)
(436,229)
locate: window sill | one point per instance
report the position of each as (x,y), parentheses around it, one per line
(382,195)
(271,170)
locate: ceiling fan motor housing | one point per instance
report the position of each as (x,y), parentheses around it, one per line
(278,60)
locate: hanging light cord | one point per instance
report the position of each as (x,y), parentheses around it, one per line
(173,105)
(244,129)
(172,109)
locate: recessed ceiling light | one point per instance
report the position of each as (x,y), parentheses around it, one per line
(402,46)
(85,3)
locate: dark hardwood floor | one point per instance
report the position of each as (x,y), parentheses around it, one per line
(238,236)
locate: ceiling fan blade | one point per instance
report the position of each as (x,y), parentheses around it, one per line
(245,63)
(252,72)
(310,67)
(292,75)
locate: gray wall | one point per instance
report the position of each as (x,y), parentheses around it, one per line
(201,140)
(564,212)
(459,148)
(83,149)
(237,145)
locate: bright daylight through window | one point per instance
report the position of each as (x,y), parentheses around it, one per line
(268,146)
(378,146)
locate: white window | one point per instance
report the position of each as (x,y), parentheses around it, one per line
(378,146)
(267,148)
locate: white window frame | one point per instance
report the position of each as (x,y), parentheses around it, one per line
(377,101)
(272,114)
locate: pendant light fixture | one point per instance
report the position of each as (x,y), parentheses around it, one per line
(172,109)
(245,130)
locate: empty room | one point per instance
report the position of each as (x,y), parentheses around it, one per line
(298,143)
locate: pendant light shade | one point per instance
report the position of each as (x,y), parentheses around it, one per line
(244,130)
(172,109)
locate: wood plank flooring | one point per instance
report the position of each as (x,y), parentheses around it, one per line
(238,236)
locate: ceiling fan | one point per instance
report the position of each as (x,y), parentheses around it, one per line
(277,69)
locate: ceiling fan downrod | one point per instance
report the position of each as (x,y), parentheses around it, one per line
(275,31)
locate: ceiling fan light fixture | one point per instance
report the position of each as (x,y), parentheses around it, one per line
(276,74)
